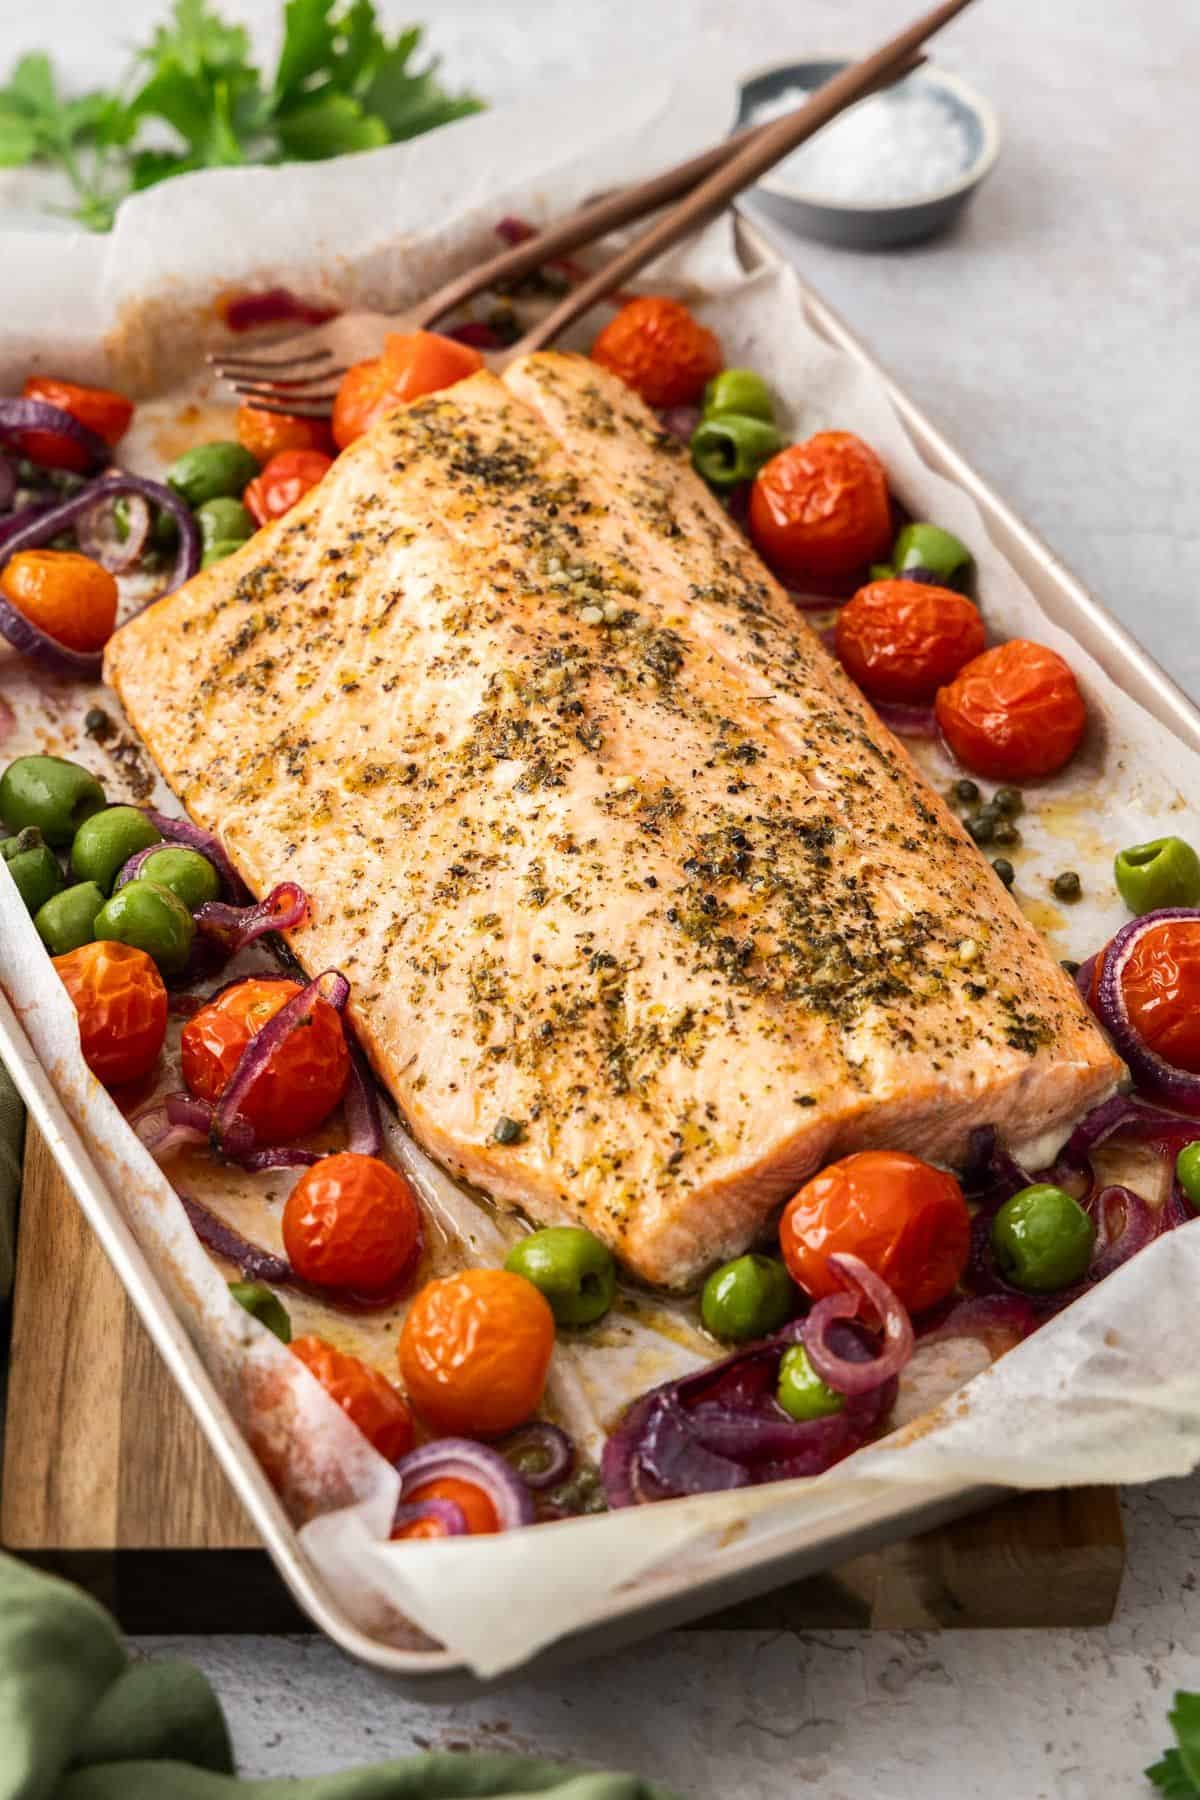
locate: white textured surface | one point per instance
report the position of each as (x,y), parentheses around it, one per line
(1056,337)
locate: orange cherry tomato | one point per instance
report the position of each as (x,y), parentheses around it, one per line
(659,350)
(102,411)
(474,1351)
(820,511)
(907,1221)
(122,1006)
(413,363)
(268,434)
(1013,714)
(477,1509)
(902,640)
(1160,984)
(303,1081)
(283,481)
(351,1222)
(69,596)
(365,1395)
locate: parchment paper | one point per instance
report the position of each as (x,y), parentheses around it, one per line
(1105,1392)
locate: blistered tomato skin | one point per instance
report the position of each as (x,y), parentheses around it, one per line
(820,511)
(475,1350)
(102,411)
(903,640)
(1013,714)
(304,1080)
(413,363)
(660,350)
(365,1395)
(66,595)
(907,1221)
(476,1508)
(121,1003)
(284,482)
(1160,985)
(351,1222)
(266,434)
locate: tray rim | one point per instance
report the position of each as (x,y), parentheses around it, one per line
(653,1605)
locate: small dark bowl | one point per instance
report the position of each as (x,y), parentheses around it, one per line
(876,226)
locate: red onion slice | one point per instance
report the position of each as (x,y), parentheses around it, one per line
(1178,1087)
(113,487)
(863,1285)
(1138,1226)
(161,1136)
(458,1459)
(806,601)
(233,927)
(446,1513)
(98,538)
(998,1321)
(330,986)
(255,1264)
(905,720)
(360,1106)
(194,837)
(8,483)
(550,1445)
(21,415)
(130,870)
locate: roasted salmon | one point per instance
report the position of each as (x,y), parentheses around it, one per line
(646,914)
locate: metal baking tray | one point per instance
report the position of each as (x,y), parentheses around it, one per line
(657,1603)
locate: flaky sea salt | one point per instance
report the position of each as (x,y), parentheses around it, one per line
(901,145)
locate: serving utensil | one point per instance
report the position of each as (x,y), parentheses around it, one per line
(302,375)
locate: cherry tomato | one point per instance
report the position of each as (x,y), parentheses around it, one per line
(283,481)
(365,1395)
(69,596)
(820,512)
(267,434)
(474,1351)
(659,350)
(907,1221)
(102,411)
(351,1222)
(413,363)
(477,1509)
(902,640)
(122,1006)
(1160,985)
(303,1081)
(1013,714)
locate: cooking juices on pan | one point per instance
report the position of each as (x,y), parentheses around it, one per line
(879,1253)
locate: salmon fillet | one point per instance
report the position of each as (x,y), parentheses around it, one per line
(645,913)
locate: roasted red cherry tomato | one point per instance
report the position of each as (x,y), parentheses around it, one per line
(907,1221)
(67,595)
(902,640)
(477,1509)
(305,1078)
(367,1397)
(820,512)
(268,434)
(413,363)
(1160,985)
(474,1351)
(1013,714)
(119,996)
(283,481)
(102,411)
(659,350)
(351,1222)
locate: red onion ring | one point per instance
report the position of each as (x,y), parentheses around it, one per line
(805,601)
(360,1106)
(862,1284)
(233,927)
(21,415)
(113,487)
(447,1513)
(8,483)
(330,986)
(1179,1087)
(195,837)
(255,1264)
(550,1443)
(161,1136)
(24,516)
(458,1459)
(1083,979)
(97,535)
(905,720)
(1139,1226)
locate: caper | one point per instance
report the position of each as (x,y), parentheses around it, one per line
(1004,870)
(965,791)
(1008,800)
(1067,886)
(1004,832)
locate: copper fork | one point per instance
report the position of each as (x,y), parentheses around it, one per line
(301,376)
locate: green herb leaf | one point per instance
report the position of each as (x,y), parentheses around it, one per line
(308,45)
(331,126)
(1178,1774)
(411,101)
(18,139)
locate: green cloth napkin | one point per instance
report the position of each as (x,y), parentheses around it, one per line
(79,1721)
(12,1136)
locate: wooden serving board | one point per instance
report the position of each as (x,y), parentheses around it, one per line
(107,1479)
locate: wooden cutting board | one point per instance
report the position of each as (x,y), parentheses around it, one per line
(106,1479)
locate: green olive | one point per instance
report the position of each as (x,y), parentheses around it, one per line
(571,1267)
(189,876)
(1165,872)
(732,447)
(215,471)
(929,547)
(739,391)
(216,553)
(1187,1170)
(801,1392)
(747,1298)
(264,1306)
(151,918)
(33,866)
(51,793)
(224,521)
(105,842)
(1041,1239)
(68,920)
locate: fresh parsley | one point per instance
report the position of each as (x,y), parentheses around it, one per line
(1178,1774)
(194,99)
